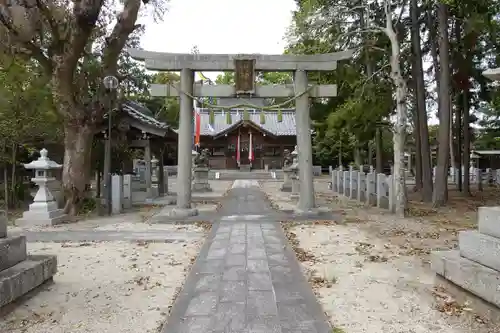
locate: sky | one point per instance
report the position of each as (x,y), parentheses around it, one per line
(220,26)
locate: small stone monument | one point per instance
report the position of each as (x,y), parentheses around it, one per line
(127,191)
(287,171)
(44,210)
(116,194)
(155,177)
(20,273)
(201,169)
(295,175)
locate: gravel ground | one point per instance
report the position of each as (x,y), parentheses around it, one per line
(105,287)
(371,273)
(366,285)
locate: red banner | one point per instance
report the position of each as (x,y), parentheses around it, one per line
(197,127)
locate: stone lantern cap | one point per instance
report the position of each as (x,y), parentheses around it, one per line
(43,162)
(154,160)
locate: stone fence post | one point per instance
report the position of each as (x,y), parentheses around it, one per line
(380,188)
(351,181)
(392,199)
(370,187)
(361,177)
(334,180)
(345,184)
(339,179)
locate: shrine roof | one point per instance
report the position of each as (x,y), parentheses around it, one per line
(271,125)
(142,113)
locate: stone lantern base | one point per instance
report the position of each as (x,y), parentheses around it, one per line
(42,213)
(287,180)
(200,180)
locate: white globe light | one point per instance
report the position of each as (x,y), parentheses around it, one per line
(110,82)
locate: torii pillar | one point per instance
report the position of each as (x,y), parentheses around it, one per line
(245,67)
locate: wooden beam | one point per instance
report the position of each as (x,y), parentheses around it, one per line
(263,91)
(225,62)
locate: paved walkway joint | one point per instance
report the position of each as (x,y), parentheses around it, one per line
(246,278)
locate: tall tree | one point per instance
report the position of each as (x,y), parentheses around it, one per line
(69,40)
(440,195)
(421,111)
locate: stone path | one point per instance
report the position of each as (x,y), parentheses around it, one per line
(246,278)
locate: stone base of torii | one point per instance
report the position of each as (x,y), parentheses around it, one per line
(245,68)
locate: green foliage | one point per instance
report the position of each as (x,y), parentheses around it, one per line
(228,118)
(280,116)
(211,117)
(89,205)
(246,115)
(262,117)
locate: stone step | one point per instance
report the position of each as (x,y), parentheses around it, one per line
(12,251)
(489,221)
(480,248)
(25,276)
(480,280)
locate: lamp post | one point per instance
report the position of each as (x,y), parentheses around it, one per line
(111,84)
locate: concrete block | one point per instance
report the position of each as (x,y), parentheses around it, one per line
(489,221)
(25,276)
(480,248)
(12,251)
(480,280)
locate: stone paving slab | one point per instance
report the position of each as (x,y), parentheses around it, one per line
(159,236)
(246,278)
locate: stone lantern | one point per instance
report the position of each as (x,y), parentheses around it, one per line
(287,171)
(44,209)
(200,173)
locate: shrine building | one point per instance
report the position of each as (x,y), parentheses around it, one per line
(266,133)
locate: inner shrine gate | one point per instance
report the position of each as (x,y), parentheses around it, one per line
(245,67)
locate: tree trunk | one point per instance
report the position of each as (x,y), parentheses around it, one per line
(399,136)
(458,134)
(379,151)
(357,156)
(418,146)
(423,131)
(441,185)
(466,152)
(13,193)
(76,165)
(452,144)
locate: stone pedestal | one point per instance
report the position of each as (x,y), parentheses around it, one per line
(20,273)
(127,191)
(200,180)
(155,191)
(44,209)
(295,195)
(116,194)
(287,180)
(476,265)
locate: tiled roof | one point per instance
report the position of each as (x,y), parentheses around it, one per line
(142,114)
(272,125)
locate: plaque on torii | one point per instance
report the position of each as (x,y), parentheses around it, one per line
(244,76)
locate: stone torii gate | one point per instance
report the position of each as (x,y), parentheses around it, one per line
(245,67)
